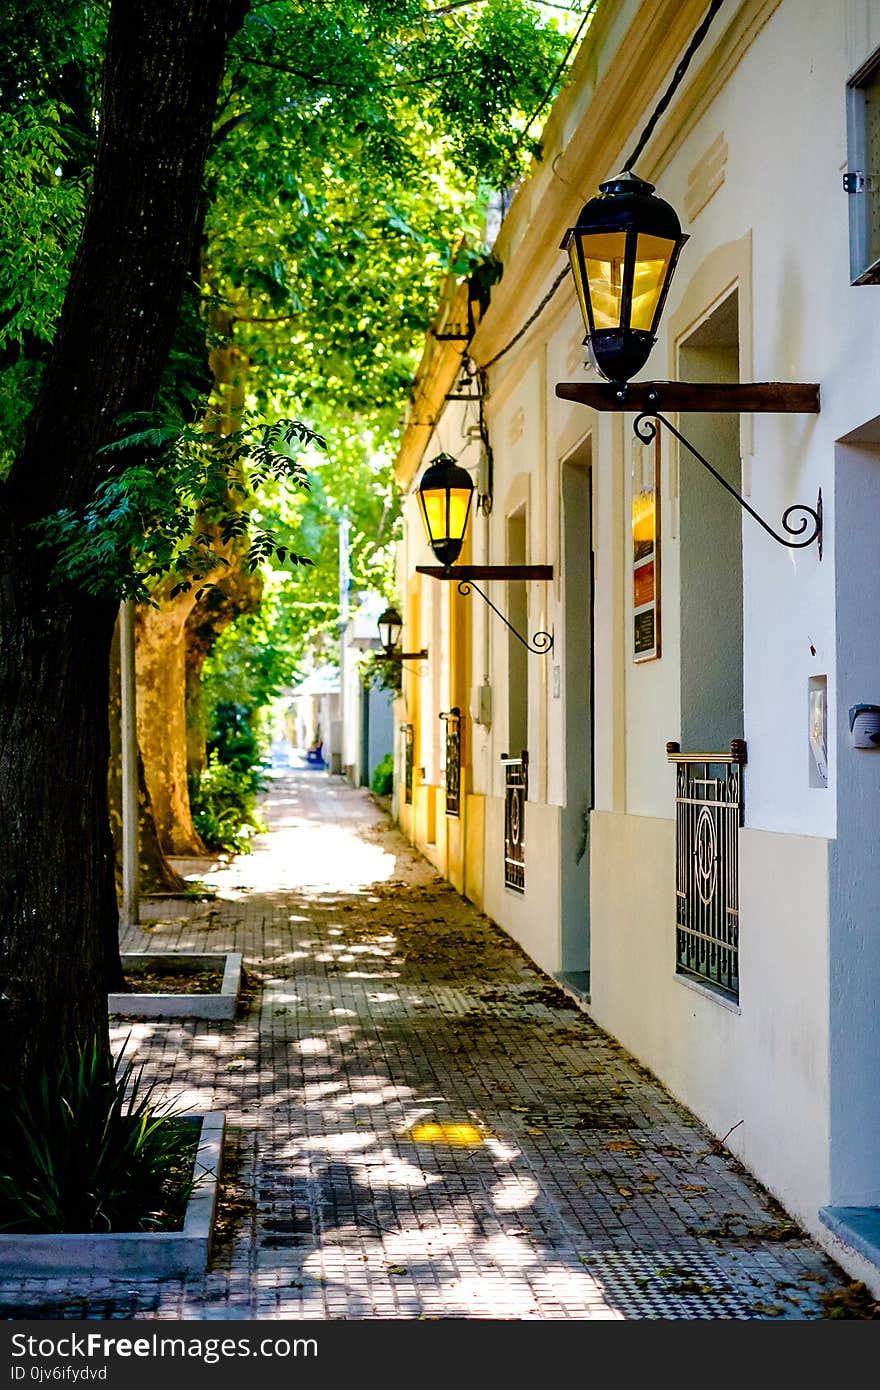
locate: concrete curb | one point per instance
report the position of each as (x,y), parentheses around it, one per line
(147,1254)
(215,1006)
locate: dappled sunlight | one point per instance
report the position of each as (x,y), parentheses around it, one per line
(373,974)
(318,1090)
(303,851)
(347,1142)
(389,1171)
(514,1193)
(505,1153)
(379,1095)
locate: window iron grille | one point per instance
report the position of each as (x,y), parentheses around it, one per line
(516,789)
(408,745)
(708,814)
(452,720)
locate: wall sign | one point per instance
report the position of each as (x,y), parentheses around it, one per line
(646,549)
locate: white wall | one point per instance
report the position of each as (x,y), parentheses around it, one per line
(779,215)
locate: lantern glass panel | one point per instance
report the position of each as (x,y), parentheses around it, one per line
(459,506)
(653,255)
(577,275)
(434,514)
(604,254)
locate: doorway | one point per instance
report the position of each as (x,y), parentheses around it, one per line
(711,546)
(577,675)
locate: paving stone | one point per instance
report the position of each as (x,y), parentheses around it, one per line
(380,1001)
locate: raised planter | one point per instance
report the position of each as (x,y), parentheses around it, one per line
(148,1254)
(178,1005)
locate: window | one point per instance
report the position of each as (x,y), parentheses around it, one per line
(862,179)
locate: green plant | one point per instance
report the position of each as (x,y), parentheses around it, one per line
(381,674)
(383,776)
(86,1148)
(235,741)
(224,807)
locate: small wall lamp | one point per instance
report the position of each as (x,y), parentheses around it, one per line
(390,625)
(445,493)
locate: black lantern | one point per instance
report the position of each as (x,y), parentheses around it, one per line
(623,254)
(445,494)
(390,625)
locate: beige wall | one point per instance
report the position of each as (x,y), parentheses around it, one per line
(532,918)
(764,1063)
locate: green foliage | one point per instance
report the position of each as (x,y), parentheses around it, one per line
(224,807)
(190,494)
(356,146)
(382,781)
(234,739)
(40,222)
(87,1148)
(50,71)
(382,674)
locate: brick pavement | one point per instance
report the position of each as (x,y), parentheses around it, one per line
(420,1123)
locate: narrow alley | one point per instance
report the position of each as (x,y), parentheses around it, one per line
(420,1124)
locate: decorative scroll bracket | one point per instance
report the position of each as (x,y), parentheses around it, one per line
(464,575)
(645,430)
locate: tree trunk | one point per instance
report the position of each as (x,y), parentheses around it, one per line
(57,892)
(160,653)
(57,897)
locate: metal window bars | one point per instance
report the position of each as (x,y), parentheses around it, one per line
(452,720)
(516,788)
(708,814)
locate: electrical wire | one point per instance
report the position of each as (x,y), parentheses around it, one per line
(575,40)
(529,321)
(697,38)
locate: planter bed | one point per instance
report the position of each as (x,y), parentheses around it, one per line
(148,1254)
(174,1003)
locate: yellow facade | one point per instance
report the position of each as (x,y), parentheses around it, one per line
(453,843)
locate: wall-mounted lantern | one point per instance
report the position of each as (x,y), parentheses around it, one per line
(623,252)
(390,625)
(445,493)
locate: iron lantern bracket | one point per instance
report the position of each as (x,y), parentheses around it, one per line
(649,398)
(403,656)
(464,576)
(645,430)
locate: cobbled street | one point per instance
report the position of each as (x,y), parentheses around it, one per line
(422,1125)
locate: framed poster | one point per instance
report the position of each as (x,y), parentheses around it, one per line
(646,550)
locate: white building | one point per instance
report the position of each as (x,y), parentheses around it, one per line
(770,1033)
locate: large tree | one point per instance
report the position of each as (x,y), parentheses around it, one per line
(162,69)
(350,146)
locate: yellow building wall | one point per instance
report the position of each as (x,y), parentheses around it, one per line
(453,844)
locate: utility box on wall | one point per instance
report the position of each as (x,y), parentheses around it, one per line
(481,704)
